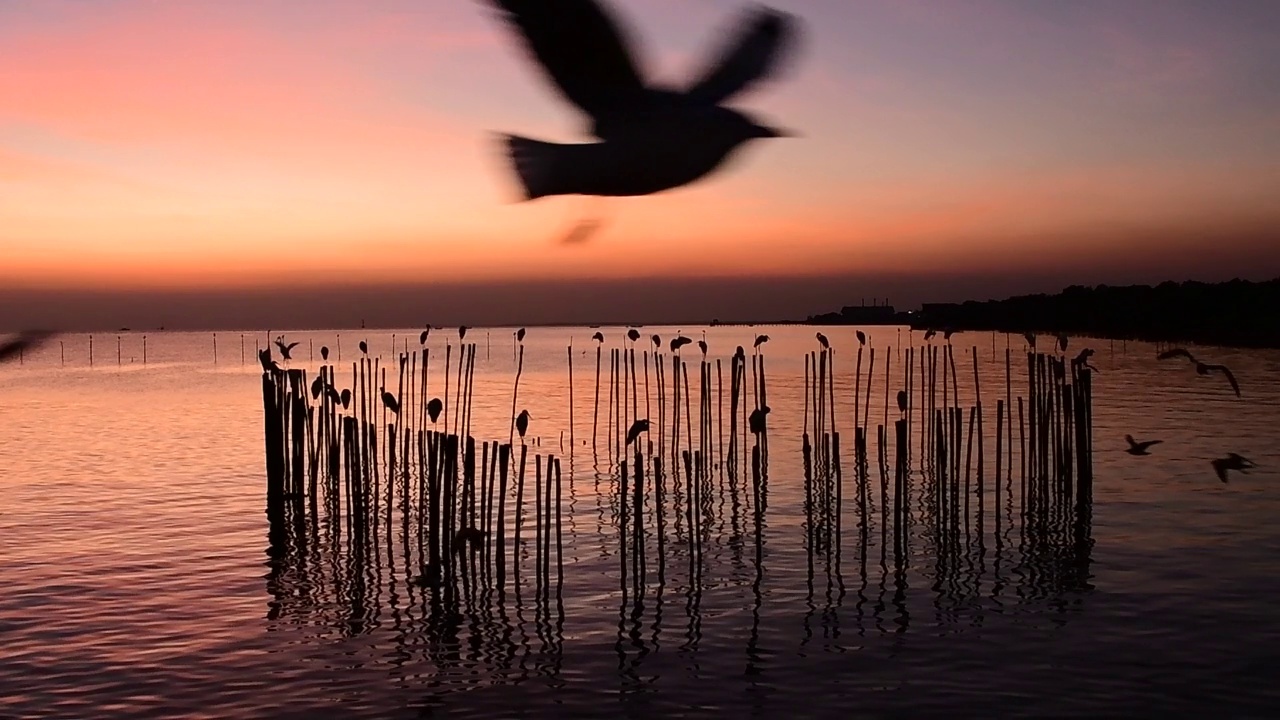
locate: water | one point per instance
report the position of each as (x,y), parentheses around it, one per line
(137,584)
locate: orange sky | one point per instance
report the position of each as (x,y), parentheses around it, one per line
(204,144)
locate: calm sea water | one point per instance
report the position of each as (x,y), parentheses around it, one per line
(136,580)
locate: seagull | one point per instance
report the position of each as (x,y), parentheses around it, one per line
(522,422)
(928,334)
(520,335)
(364,347)
(637,427)
(462,331)
(269,365)
(651,139)
(822,340)
(285,349)
(702,345)
(1139,448)
(657,341)
(390,401)
(1202,368)
(947,333)
(862,337)
(1231,462)
(902,400)
(434,406)
(633,334)
(346,399)
(756,419)
(317,387)
(29,340)
(598,337)
(761,339)
(678,342)
(324,352)
(422,338)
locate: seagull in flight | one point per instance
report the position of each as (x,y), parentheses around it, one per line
(285,350)
(649,138)
(1232,461)
(1202,368)
(1139,448)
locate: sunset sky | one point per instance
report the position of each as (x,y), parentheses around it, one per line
(948,150)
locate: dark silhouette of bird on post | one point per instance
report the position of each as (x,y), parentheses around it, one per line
(462,331)
(269,365)
(755,420)
(598,337)
(947,333)
(317,387)
(822,340)
(657,341)
(928,334)
(702,345)
(902,401)
(390,401)
(760,340)
(678,342)
(1031,339)
(364,347)
(24,342)
(740,353)
(637,427)
(1201,367)
(1232,461)
(522,423)
(650,139)
(1063,340)
(520,335)
(434,406)
(324,352)
(346,398)
(285,350)
(1139,448)
(333,395)
(633,335)
(422,337)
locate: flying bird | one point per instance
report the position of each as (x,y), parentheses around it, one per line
(1232,461)
(637,427)
(390,401)
(1202,368)
(756,419)
(822,340)
(760,340)
(522,422)
(902,401)
(650,138)
(29,340)
(324,352)
(285,349)
(1139,448)
(633,334)
(434,406)
(1176,353)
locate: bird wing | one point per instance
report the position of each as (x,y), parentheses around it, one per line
(1147,443)
(750,54)
(582,49)
(292,345)
(1221,468)
(1174,353)
(1230,378)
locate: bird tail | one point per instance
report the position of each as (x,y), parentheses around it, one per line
(536,163)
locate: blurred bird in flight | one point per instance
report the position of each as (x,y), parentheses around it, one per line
(650,138)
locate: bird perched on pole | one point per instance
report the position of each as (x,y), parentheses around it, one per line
(637,427)
(633,334)
(822,340)
(390,401)
(755,421)
(324,352)
(760,340)
(285,350)
(862,337)
(434,406)
(650,138)
(522,423)
(598,337)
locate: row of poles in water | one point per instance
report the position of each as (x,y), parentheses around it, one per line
(471,509)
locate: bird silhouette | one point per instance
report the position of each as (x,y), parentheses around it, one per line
(1232,461)
(324,352)
(522,422)
(462,331)
(822,340)
(633,334)
(651,139)
(947,333)
(902,401)
(1202,368)
(598,337)
(678,342)
(390,401)
(1139,448)
(333,395)
(760,340)
(702,345)
(657,341)
(756,419)
(24,342)
(285,350)
(1062,341)
(637,427)
(928,334)
(862,337)
(1031,339)
(520,335)
(269,365)
(364,347)
(346,398)
(434,406)
(740,353)
(422,337)
(317,387)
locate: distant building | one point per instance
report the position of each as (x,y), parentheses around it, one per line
(868,315)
